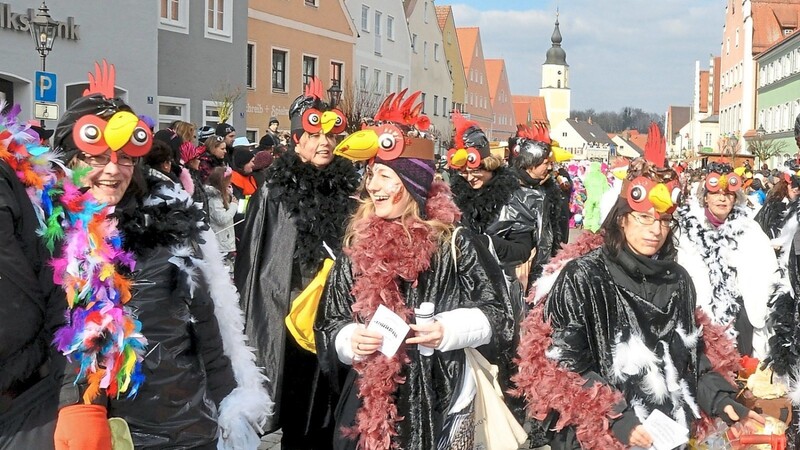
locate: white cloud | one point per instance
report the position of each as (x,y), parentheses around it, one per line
(621,52)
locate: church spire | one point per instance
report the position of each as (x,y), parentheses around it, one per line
(556,54)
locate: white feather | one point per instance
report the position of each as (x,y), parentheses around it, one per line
(631,357)
(690,340)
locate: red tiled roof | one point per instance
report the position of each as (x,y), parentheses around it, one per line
(494,68)
(529,104)
(467,38)
(441,15)
(769,21)
(639,139)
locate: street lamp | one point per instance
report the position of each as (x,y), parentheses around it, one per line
(334,93)
(43,31)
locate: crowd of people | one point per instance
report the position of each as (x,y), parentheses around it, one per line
(188,288)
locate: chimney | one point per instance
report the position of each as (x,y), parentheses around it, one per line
(589,120)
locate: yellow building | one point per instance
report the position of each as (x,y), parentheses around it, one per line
(452,52)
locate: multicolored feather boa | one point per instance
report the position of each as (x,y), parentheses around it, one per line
(100,334)
(383,253)
(545,385)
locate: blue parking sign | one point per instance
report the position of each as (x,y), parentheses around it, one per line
(45,89)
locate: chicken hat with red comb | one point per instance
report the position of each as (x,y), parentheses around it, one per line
(310,114)
(650,182)
(471,144)
(396,139)
(100,121)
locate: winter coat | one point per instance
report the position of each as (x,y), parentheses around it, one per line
(287,220)
(221,219)
(734,270)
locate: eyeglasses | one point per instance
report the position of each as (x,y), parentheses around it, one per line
(122,159)
(647,220)
(474,172)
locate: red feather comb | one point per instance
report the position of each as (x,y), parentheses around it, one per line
(314,88)
(536,133)
(462,124)
(102,81)
(655,150)
(395,108)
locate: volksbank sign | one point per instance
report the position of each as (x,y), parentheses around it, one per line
(21,22)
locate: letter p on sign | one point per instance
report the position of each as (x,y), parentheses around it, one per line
(46,87)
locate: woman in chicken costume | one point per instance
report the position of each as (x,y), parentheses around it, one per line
(401,249)
(731,260)
(137,243)
(614,334)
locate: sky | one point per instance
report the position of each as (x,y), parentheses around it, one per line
(638,53)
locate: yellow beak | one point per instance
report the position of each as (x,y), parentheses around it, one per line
(359,146)
(459,158)
(328,121)
(119,129)
(558,154)
(661,198)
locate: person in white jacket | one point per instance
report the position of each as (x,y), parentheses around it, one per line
(222,206)
(731,261)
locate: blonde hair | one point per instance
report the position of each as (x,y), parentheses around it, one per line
(185,130)
(491,163)
(442,230)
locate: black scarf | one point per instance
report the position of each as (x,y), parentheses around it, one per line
(653,279)
(481,207)
(319,199)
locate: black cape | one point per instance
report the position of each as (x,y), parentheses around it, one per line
(474,280)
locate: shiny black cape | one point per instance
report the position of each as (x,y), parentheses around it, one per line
(280,252)
(474,280)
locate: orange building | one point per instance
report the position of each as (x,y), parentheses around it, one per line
(530,110)
(504,124)
(477,104)
(288,42)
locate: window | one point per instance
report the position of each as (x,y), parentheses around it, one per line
(425,12)
(400,80)
(376,80)
(251,65)
(422,97)
(414,43)
(219,14)
(362,78)
(388,84)
(365,18)
(174,16)
(444,106)
(336,73)
(309,68)
(210,113)
(378,37)
(279,70)
(708,139)
(736,40)
(425,54)
(436,52)
(312,3)
(435,105)
(171,109)
(390,28)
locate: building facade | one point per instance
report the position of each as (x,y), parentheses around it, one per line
(585,140)
(477,106)
(504,124)
(288,43)
(429,69)
(86,34)
(452,53)
(202,62)
(778,100)
(555,80)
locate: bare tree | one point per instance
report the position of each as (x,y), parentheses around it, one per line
(225,97)
(730,146)
(764,149)
(358,103)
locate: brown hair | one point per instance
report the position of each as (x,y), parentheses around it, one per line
(218,180)
(778,192)
(491,163)
(614,237)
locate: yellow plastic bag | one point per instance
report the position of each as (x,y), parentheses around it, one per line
(303,312)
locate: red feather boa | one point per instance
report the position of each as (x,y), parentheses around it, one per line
(547,386)
(382,254)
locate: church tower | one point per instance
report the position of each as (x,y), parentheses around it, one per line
(555,81)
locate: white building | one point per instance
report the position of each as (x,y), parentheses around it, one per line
(382,61)
(429,70)
(585,140)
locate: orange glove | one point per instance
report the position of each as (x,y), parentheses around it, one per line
(83,427)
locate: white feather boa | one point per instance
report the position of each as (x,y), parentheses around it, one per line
(245,410)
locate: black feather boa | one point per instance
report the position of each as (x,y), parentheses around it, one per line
(320,200)
(166,216)
(481,207)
